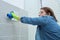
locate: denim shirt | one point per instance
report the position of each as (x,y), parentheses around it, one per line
(47,27)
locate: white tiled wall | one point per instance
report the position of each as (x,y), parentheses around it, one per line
(9,29)
(32,6)
(17,3)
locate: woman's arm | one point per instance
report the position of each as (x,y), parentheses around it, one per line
(34,21)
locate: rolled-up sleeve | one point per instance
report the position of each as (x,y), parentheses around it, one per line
(34,21)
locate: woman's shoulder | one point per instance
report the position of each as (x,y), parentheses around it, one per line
(47,16)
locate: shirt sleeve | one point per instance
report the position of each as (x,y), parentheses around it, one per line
(34,21)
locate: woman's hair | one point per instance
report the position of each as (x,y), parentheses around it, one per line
(49,11)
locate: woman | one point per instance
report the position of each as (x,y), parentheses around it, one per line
(47,27)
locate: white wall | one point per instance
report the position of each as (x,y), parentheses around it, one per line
(17,3)
(9,29)
(33,7)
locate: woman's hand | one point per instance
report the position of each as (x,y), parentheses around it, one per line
(15,16)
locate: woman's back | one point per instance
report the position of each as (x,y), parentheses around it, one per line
(49,31)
